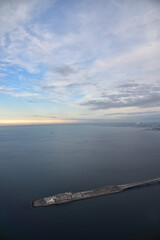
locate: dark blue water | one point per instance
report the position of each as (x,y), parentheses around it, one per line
(39,161)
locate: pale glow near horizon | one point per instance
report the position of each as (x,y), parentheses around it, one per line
(28,122)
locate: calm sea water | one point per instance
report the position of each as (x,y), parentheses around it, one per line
(39,161)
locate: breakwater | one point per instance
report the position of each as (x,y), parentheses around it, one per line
(69,197)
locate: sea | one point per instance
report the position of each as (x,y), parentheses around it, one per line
(38,161)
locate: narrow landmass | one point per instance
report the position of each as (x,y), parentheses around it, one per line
(69,197)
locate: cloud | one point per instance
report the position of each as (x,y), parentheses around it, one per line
(5,88)
(39,116)
(65,70)
(20,33)
(31,101)
(133,113)
(48,88)
(14,13)
(115,102)
(15,93)
(22,94)
(97,56)
(127,95)
(139,56)
(128,85)
(44,45)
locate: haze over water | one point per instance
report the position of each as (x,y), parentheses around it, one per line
(39,161)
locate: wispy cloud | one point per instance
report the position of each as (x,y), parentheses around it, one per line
(23,94)
(13,92)
(128,95)
(6,88)
(144,102)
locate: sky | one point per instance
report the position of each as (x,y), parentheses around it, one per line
(79,60)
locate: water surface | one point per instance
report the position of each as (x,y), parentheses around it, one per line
(39,161)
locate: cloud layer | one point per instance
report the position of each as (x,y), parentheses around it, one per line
(89,55)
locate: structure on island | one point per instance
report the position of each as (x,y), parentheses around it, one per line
(69,197)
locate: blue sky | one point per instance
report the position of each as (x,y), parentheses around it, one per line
(65,60)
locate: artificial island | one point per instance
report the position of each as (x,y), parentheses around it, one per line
(69,197)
